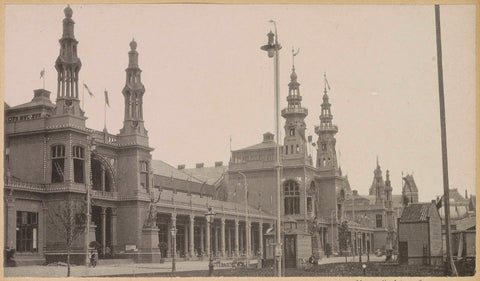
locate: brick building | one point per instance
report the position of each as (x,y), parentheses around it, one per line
(52,157)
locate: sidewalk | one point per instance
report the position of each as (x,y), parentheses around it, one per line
(133,268)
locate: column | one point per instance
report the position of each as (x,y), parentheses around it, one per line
(208,239)
(11,231)
(104,228)
(229,241)
(113,229)
(222,238)
(242,247)
(185,239)
(202,239)
(191,236)
(260,239)
(103,178)
(248,233)
(216,240)
(236,238)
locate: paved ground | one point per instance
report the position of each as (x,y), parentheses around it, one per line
(132,269)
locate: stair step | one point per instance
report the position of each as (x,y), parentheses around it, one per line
(115,261)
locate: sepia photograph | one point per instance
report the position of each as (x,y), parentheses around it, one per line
(239,140)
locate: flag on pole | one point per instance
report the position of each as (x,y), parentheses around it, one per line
(42,73)
(326,82)
(106,98)
(88,89)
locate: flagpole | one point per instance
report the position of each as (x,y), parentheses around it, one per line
(83,96)
(105,112)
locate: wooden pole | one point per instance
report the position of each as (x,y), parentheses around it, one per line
(446,198)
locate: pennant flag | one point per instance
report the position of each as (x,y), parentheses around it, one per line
(326,81)
(42,73)
(88,89)
(106,98)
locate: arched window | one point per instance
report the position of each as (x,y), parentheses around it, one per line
(292,198)
(101,175)
(58,163)
(78,164)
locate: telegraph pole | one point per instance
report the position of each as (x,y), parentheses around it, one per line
(446,198)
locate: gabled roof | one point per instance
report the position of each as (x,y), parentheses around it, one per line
(418,212)
(466,223)
(409,184)
(210,175)
(164,169)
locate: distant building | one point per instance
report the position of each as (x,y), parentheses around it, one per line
(379,210)
(419,235)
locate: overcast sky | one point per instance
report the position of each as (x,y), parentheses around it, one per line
(206,78)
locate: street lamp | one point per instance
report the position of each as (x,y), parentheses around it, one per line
(209,216)
(247,228)
(364,267)
(173,234)
(272,49)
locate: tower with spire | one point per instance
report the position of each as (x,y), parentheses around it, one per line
(133,130)
(295,144)
(326,154)
(68,67)
(378,185)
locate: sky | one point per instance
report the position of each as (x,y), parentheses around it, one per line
(207,80)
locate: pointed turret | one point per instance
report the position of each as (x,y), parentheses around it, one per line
(68,67)
(295,140)
(388,190)
(326,155)
(378,185)
(133,123)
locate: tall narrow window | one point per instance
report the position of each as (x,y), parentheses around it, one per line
(78,164)
(324,147)
(298,148)
(144,174)
(379,220)
(292,132)
(58,163)
(309,204)
(27,231)
(292,198)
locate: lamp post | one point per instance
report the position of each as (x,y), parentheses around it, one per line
(272,49)
(173,234)
(247,228)
(209,216)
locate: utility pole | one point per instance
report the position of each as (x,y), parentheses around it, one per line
(446,198)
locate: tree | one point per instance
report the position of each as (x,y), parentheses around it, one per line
(69,220)
(343,237)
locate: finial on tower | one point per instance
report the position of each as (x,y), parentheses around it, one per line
(68,11)
(133,45)
(377,162)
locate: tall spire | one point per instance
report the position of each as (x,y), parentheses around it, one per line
(68,66)
(133,94)
(326,155)
(295,143)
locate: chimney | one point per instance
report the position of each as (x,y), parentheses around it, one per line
(433,201)
(181,166)
(355,192)
(218,163)
(199,165)
(466,194)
